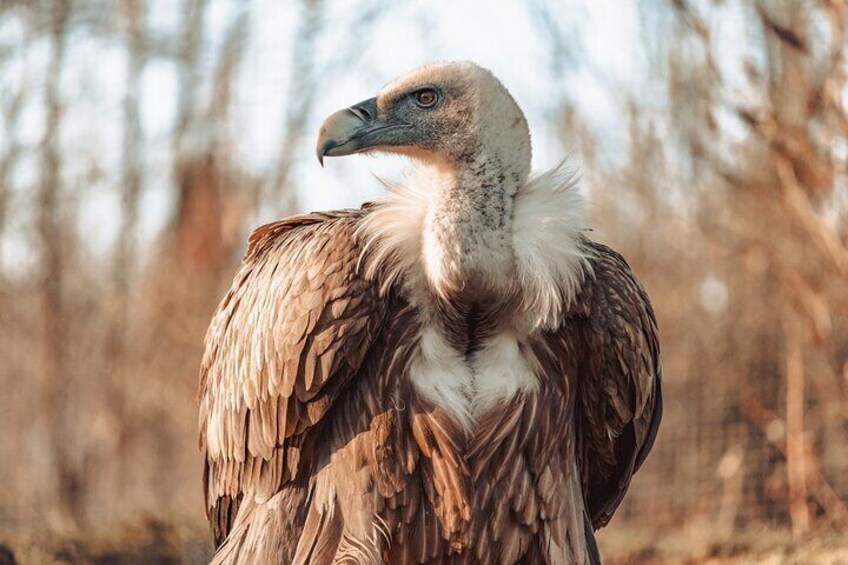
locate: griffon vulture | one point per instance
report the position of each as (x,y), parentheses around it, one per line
(454,373)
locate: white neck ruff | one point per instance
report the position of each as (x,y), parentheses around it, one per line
(549,253)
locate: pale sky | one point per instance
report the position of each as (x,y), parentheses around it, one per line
(610,58)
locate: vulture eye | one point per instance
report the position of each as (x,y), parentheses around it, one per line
(426,97)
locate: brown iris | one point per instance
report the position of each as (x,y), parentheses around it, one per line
(426,98)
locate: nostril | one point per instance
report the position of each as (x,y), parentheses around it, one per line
(362,113)
(365,110)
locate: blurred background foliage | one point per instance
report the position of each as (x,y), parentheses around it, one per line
(140,140)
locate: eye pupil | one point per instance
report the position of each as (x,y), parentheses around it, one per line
(425,97)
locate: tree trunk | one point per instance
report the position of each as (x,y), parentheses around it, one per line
(55,378)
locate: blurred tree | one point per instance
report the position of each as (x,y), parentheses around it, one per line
(54,380)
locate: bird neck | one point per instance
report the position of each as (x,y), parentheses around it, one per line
(468,227)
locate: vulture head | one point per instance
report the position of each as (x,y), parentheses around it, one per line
(455,115)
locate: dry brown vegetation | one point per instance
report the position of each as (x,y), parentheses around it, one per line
(731,203)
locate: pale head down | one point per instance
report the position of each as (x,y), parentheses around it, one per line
(454,114)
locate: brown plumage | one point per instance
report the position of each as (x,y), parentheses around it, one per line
(331,425)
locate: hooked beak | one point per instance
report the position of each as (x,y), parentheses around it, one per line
(354,130)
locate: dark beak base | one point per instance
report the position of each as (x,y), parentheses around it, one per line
(353,130)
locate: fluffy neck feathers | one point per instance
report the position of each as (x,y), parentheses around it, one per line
(434,233)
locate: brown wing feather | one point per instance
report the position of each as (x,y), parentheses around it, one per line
(619,379)
(288,336)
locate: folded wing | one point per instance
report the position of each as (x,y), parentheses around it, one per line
(618,404)
(288,337)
